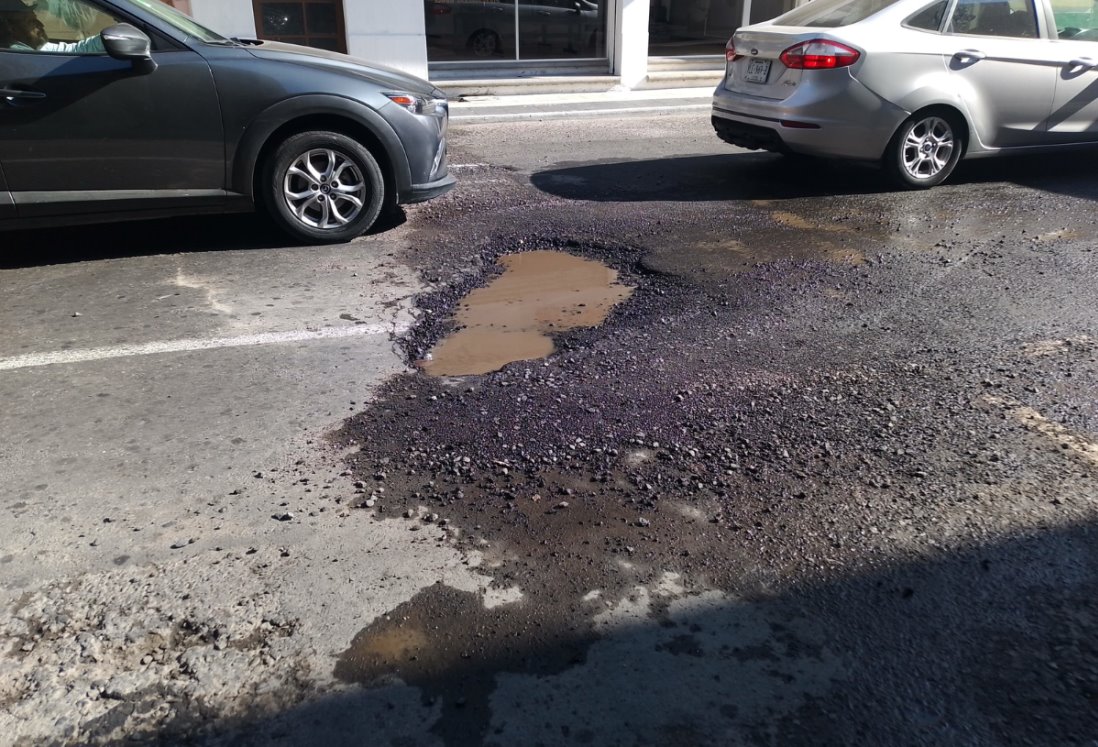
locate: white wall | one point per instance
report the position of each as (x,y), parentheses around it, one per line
(227,17)
(631,49)
(387,32)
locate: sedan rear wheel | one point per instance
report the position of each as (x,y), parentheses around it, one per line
(324,187)
(924,150)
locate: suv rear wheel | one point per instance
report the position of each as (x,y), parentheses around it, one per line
(323,187)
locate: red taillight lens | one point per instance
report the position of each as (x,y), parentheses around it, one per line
(819,54)
(730,52)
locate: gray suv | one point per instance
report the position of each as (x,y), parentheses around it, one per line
(121,109)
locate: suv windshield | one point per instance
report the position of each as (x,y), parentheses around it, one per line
(832,13)
(179,20)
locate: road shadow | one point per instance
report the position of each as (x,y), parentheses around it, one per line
(134,238)
(988,645)
(769,176)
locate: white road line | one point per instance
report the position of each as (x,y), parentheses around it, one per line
(32,360)
(483,118)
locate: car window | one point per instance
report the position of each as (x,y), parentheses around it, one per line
(180,21)
(1013,18)
(1075,19)
(61,27)
(832,13)
(929,18)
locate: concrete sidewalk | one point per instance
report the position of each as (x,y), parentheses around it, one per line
(532,106)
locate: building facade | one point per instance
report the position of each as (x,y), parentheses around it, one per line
(494,38)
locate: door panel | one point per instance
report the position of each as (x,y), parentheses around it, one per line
(92,123)
(1074,114)
(1008,72)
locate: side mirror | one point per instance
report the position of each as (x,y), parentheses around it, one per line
(126,42)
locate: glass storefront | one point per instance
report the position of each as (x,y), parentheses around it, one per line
(509,30)
(678,28)
(314,23)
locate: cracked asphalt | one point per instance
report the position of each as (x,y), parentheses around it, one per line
(827,476)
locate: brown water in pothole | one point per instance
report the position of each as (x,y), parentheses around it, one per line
(511,319)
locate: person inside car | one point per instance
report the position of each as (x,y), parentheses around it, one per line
(21,30)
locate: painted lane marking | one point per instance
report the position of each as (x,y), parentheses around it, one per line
(85,355)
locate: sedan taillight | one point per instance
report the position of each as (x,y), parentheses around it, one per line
(819,54)
(730,51)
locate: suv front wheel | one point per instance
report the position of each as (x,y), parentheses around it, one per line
(323,187)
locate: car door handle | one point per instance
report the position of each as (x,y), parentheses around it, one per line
(17,93)
(1082,63)
(969,55)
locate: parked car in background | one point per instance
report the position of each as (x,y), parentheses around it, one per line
(914,84)
(487,28)
(119,109)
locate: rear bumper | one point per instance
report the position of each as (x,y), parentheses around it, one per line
(747,135)
(842,121)
(423,192)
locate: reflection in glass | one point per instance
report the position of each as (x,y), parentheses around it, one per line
(283,19)
(678,28)
(486,29)
(322,19)
(313,23)
(554,29)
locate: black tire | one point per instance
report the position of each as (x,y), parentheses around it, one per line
(337,197)
(484,43)
(925,149)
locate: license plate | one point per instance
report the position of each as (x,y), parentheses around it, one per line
(757,70)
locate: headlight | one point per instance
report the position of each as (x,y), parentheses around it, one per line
(419,104)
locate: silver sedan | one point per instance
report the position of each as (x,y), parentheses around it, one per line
(915,85)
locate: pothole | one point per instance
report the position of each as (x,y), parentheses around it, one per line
(513,318)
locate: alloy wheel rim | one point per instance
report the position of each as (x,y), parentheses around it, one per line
(324,189)
(928,148)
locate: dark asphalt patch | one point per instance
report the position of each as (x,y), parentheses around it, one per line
(807,437)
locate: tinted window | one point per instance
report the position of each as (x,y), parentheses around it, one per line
(994,18)
(929,18)
(832,13)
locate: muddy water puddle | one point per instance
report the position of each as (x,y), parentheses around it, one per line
(513,317)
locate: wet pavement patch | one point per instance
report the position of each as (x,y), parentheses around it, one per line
(512,318)
(418,644)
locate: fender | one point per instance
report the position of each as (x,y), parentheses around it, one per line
(243,160)
(956,91)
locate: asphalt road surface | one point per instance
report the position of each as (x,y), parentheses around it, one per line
(825,476)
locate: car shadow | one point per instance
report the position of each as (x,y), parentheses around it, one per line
(981,645)
(708,178)
(769,176)
(200,233)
